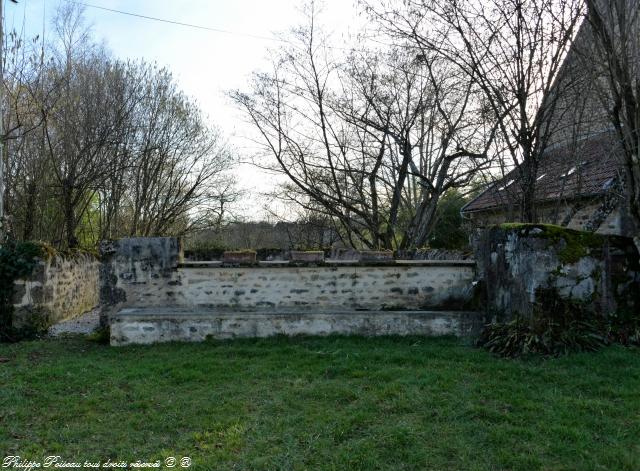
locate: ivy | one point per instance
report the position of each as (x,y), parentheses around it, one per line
(17,260)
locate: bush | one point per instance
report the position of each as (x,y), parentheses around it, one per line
(557,326)
(448,233)
(519,338)
(17,260)
(101,336)
(624,328)
(204,251)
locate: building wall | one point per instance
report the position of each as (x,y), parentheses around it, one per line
(614,224)
(583,80)
(59,288)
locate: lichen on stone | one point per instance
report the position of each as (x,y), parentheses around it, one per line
(573,244)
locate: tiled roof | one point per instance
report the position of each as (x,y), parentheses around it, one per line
(586,168)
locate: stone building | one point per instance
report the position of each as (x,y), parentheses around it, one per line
(580,178)
(578,186)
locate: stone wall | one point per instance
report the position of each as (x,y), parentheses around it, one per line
(601,272)
(61,287)
(161,324)
(423,286)
(147,272)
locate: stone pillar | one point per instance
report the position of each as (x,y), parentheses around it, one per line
(131,267)
(516,260)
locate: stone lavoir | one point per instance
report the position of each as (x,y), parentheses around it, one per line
(150,294)
(147,293)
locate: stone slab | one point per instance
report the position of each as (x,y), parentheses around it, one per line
(180,324)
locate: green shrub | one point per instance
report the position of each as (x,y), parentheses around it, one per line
(204,250)
(449,233)
(17,260)
(557,326)
(624,328)
(519,338)
(101,336)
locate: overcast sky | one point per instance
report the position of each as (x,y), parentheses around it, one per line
(205,63)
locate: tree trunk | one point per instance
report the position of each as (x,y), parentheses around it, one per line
(69,219)
(427,222)
(30,208)
(528,200)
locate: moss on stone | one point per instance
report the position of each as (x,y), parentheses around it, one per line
(17,260)
(47,251)
(75,253)
(577,244)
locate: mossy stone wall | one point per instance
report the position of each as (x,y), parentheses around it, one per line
(515,260)
(61,286)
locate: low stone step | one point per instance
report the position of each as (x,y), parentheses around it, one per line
(192,324)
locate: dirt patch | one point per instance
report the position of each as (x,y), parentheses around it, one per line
(83,324)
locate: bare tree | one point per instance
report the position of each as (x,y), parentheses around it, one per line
(116,148)
(79,135)
(177,163)
(80,130)
(370,140)
(437,137)
(513,50)
(24,78)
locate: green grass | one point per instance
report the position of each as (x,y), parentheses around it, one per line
(321,403)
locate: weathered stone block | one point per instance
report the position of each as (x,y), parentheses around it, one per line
(147,326)
(517,260)
(60,287)
(306,256)
(241,257)
(19,290)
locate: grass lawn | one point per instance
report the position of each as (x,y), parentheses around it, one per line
(320,403)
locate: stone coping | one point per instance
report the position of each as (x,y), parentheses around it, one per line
(201,264)
(328,263)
